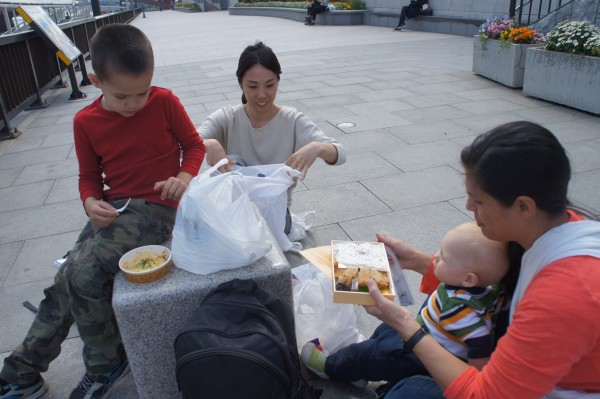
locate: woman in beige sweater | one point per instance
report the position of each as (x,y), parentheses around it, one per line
(261,132)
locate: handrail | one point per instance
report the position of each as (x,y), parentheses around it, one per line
(530,16)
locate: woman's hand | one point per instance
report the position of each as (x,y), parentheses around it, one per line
(398,317)
(443,366)
(302,159)
(408,256)
(214,153)
(101,213)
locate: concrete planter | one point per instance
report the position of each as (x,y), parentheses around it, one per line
(568,79)
(501,62)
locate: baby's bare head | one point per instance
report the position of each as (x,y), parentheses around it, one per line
(485,258)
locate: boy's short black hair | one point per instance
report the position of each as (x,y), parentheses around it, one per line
(122,49)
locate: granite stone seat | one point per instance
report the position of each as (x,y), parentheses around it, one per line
(151,315)
(455,25)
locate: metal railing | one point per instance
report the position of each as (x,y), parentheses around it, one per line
(528,12)
(29,67)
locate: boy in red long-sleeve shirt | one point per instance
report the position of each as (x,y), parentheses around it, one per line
(134,141)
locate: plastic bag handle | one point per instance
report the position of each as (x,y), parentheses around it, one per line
(205,175)
(216,166)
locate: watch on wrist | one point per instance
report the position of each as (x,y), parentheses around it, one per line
(414,340)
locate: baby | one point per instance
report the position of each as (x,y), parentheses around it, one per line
(459,315)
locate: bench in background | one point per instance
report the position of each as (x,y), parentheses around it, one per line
(454,25)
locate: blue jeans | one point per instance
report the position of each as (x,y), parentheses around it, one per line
(416,387)
(380,358)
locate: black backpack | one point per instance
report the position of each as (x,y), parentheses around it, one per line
(240,343)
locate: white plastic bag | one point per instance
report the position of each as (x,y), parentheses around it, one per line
(267,187)
(317,316)
(217,226)
(300,224)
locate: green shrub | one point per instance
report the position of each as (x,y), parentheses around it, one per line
(339,5)
(357,5)
(279,4)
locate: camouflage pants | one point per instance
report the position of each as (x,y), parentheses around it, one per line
(82,294)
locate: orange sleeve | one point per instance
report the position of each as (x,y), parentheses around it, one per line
(429,282)
(528,361)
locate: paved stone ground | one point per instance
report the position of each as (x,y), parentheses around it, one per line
(411,96)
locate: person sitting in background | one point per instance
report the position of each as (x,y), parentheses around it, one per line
(314,8)
(414,9)
(460,314)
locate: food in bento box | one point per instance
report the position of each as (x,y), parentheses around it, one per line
(381,278)
(355,279)
(344,277)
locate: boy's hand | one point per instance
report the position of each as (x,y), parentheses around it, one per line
(174,187)
(101,213)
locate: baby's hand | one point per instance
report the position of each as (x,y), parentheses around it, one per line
(101,213)
(172,188)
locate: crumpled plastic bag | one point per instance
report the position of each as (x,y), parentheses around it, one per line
(317,316)
(301,222)
(217,226)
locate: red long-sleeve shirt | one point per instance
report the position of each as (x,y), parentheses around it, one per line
(130,154)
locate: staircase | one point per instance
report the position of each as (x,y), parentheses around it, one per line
(543,15)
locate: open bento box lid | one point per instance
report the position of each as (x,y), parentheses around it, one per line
(359,254)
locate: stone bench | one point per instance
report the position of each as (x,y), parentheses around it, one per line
(151,315)
(453,25)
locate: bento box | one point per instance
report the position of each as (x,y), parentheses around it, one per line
(353,263)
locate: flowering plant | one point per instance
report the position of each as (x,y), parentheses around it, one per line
(576,37)
(504,29)
(525,35)
(493,27)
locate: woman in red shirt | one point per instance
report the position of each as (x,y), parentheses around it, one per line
(516,180)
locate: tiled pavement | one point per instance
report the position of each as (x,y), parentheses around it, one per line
(411,96)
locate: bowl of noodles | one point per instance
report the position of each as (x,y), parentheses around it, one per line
(146,264)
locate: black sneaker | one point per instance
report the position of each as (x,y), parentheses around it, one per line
(32,390)
(99,387)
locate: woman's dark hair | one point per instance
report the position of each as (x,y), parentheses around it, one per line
(509,283)
(257,54)
(520,158)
